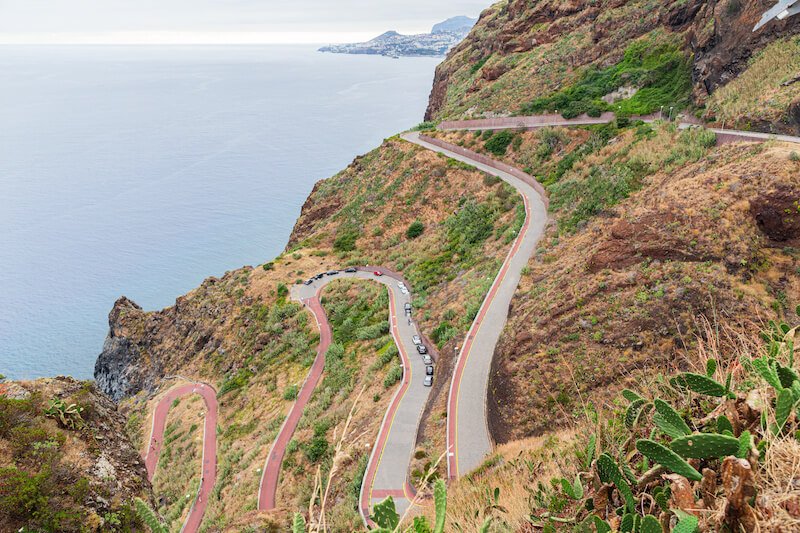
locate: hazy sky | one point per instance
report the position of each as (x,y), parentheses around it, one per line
(221,20)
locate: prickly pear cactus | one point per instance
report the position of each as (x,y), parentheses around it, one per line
(705,446)
(440,501)
(702,384)
(609,472)
(385,515)
(650,524)
(667,458)
(678,426)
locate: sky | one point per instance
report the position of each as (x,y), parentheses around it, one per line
(220,21)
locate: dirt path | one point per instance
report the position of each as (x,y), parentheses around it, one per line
(208,477)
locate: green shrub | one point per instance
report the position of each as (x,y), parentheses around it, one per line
(345,240)
(268,266)
(394,375)
(661,72)
(291,392)
(282,290)
(498,144)
(316,448)
(479,64)
(415,230)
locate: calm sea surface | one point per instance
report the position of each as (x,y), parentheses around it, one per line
(143,170)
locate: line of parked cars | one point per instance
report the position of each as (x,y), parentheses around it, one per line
(426,358)
(312,279)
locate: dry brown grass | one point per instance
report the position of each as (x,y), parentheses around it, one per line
(757,94)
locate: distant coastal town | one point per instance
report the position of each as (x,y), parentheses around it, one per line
(438,42)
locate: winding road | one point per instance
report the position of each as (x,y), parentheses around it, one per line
(388,464)
(468,437)
(209,458)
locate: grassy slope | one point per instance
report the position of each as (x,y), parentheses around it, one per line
(58,478)
(520,52)
(240,334)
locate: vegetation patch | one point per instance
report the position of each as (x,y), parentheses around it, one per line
(660,72)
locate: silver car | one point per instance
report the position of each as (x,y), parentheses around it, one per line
(428,381)
(416,340)
(427,359)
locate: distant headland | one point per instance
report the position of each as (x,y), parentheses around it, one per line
(438,42)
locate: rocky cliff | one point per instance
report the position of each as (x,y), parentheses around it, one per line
(66,466)
(522,50)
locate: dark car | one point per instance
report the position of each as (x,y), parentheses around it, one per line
(351,270)
(319,276)
(429,370)
(332,272)
(422,349)
(308,281)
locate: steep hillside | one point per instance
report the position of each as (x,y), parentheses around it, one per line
(520,53)
(443,224)
(65,464)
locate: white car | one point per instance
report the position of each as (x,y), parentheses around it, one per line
(404,291)
(401,284)
(427,359)
(416,340)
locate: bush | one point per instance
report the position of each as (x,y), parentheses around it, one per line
(268,266)
(415,230)
(345,240)
(498,144)
(282,290)
(316,449)
(291,392)
(394,375)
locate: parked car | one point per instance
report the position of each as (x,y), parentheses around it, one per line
(378,273)
(407,306)
(351,270)
(428,381)
(429,370)
(401,284)
(422,349)
(427,359)
(404,290)
(308,281)
(332,272)
(416,340)
(319,276)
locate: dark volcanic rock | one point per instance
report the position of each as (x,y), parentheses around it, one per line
(122,368)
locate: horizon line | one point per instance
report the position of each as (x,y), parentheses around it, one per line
(185,38)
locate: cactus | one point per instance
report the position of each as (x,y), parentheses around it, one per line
(590,451)
(298,524)
(701,384)
(631,396)
(745,444)
(661,496)
(687,524)
(705,446)
(600,525)
(626,525)
(440,501)
(786,375)
(783,408)
(724,425)
(669,421)
(766,369)
(573,490)
(69,416)
(650,525)
(385,514)
(609,472)
(634,410)
(149,517)
(421,525)
(711,367)
(667,458)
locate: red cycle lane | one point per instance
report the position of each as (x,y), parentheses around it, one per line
(209,460)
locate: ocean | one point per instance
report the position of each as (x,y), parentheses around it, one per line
(142,170)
